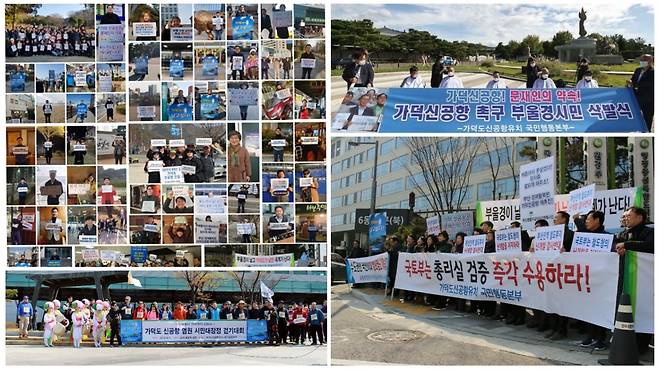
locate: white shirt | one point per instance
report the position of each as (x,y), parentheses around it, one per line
(543,84)
(409,82)
(496,84)
(585,84)
(451,82)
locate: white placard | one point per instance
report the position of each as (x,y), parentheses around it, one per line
(170,175)
(203,141)
(104,83)
(159,142)
(146,111)
(179,142)
(278,143)
(79,147)
(209,205)
(80,78)
(508,240)
(188,169)
(537,191)
(144,29)
(581,200)
(549,239)
(151,228)
(148,206)
(306,182)
(154,165)
(474,244)
(237,62)
(278,226)
(90,254)
(310,140)
(245,228)
(307,63)
(107,188)
(279,184)
(433,225)
(592,242)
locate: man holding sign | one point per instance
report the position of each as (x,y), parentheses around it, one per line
(278,224)
(307,61)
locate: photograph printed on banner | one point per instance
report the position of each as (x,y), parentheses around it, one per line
(252,256)
(495,227)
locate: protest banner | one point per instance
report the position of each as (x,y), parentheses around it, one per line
(263,261)
(460,221)
(154,228)
(279,186)
(170,175)
(237,63)
(613,203)
(90,254)
(181,33)
(592,242)
(188,169)
(377,231)
(23,189)
(154,165)
(433,225)
(537,191)
(275,226)
(50,191)
(419,110)
(207,232)
(474,244)
(549,239)
(508,240)
(176,68)
(282,18)
(203,141)
(310,140)
(163,331)
(138,254)
(245,228)
(179,142)
(17,82)
(638,283)
(283,94)
(209,66)
(177,112)
(48,144)
(20,150)
(109,255)
(581,200)
(142,65)
(243,27)
(104,83)
(107,188)
(110,42)
(209,205)
(159,142)
(356,123)
(79,147)
(144,29)
(148,206)
(78,188)
(537,281)
(306,182)
(53,227)
(146,111)
(368,269)
(209,106)
(243,96)
(278,143)
(307,63)
(80,78)
(153,257)
(87,239)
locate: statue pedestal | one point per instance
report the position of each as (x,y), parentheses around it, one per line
(579,48)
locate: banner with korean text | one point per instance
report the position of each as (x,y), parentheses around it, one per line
(283,260)
(156,331)
(369,269)
(542,282)
(425,110)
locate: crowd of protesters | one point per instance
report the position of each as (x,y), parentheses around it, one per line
(25,41)
(296,323)
(637,235)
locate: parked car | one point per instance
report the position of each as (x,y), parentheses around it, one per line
(338,271)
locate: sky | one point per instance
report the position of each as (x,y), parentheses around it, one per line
(490,24)
(59,9)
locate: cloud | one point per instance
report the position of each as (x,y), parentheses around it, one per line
(490,24)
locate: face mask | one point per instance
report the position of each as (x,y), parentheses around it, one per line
(451,74)
(362,62)
(544,76)
(643,64)
(496,79)
(532,64)
(413,77)
(588,79)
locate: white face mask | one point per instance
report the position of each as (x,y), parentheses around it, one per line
(588,79)
(413,76)
(361,62)
(496,79)
(451,74)
(643,64)
(532,64)
(544,76)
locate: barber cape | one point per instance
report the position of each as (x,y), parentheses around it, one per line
(496,84)
(451,82)
(587,84)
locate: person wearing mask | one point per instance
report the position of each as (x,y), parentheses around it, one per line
(166,314)
(437,72)
(213,311)
(280,196)
(539,321)
(642,84)
(218,26)
(192,161)
(515,314)
(410,247)
(359,73)
(109,110)
(378,109)
(17,229)
(592,223)
(119,151)
(237,63)
(532,72)
(114,318)
(203,313)
(544,81)
(282,323)
(583,67)
(413,80)
(299,322)
(89,229)
(587,81)
(266,23)
(226,313)
(47,111)
(48,151)
(310,193)
(440,244)
(315,318)
(450,80)
(153,174)
(208,171)
(254,311)
(239,163)
(127,309)
(496,82)
(79,155)
(192,312)
(25,313)
(282,32)
(22,188)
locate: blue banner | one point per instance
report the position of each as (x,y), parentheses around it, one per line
(243,27)
(131,331)
(256,330)
(210,66)
(377,231)
(81,109)
(423,110)
(179,112)
(176,68)
(138,254)
(17,82)
(142,65)
(209,106)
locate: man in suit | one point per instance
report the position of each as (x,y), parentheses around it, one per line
(361,109)
(54,235)
(642,84)
(53,182)
(359,73)
(278,218)
(266,22)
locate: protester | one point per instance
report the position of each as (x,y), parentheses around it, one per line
(413,80)
(114,317)
(450,80)
(587,81)
(496,82)
(315,318)
(437,72)
(642,84)
(582,69)
(359,73)
(532,73)
(544,82)
(25,313)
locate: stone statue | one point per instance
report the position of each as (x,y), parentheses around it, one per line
(583,16)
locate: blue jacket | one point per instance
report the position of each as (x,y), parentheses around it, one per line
(21,310)
(318,315)
(202,314)
(214,314)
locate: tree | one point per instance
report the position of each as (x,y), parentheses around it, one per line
(249,282)
(534,43)
(15,12)
(445,167)
(501,154)
(561,38)
(199,282)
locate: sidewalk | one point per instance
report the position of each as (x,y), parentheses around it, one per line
(472,329)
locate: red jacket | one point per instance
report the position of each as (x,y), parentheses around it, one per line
(180,313)
(137,311)
(299,313)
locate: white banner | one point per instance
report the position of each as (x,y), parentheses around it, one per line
(283,260)
(433,225)
(537,191)
(207,232)
(369,269)
(90,254)
(508,240)
(545,282)
(194,330)
(171,175)
(209,204)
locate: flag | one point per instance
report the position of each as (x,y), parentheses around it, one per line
(266,292)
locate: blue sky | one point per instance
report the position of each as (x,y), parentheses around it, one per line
(62,10)
(493,23)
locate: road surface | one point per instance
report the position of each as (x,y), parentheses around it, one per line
(470,80)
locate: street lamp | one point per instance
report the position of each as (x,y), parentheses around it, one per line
(373,191)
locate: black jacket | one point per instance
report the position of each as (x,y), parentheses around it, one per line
(644,87)
(366,74)
(437,75)
(639,238)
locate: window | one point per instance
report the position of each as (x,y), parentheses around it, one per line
(366,175)
(338,219)
(382,168)
(484,191)
(391,187)
(419,179)
(370,154)
(386,147)
(336,202)
(399,163)
(365,194)
(335,168)
(335,185)
(346,164)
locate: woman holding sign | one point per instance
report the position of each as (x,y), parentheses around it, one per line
(239,163)
(147,17)
(309,187)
